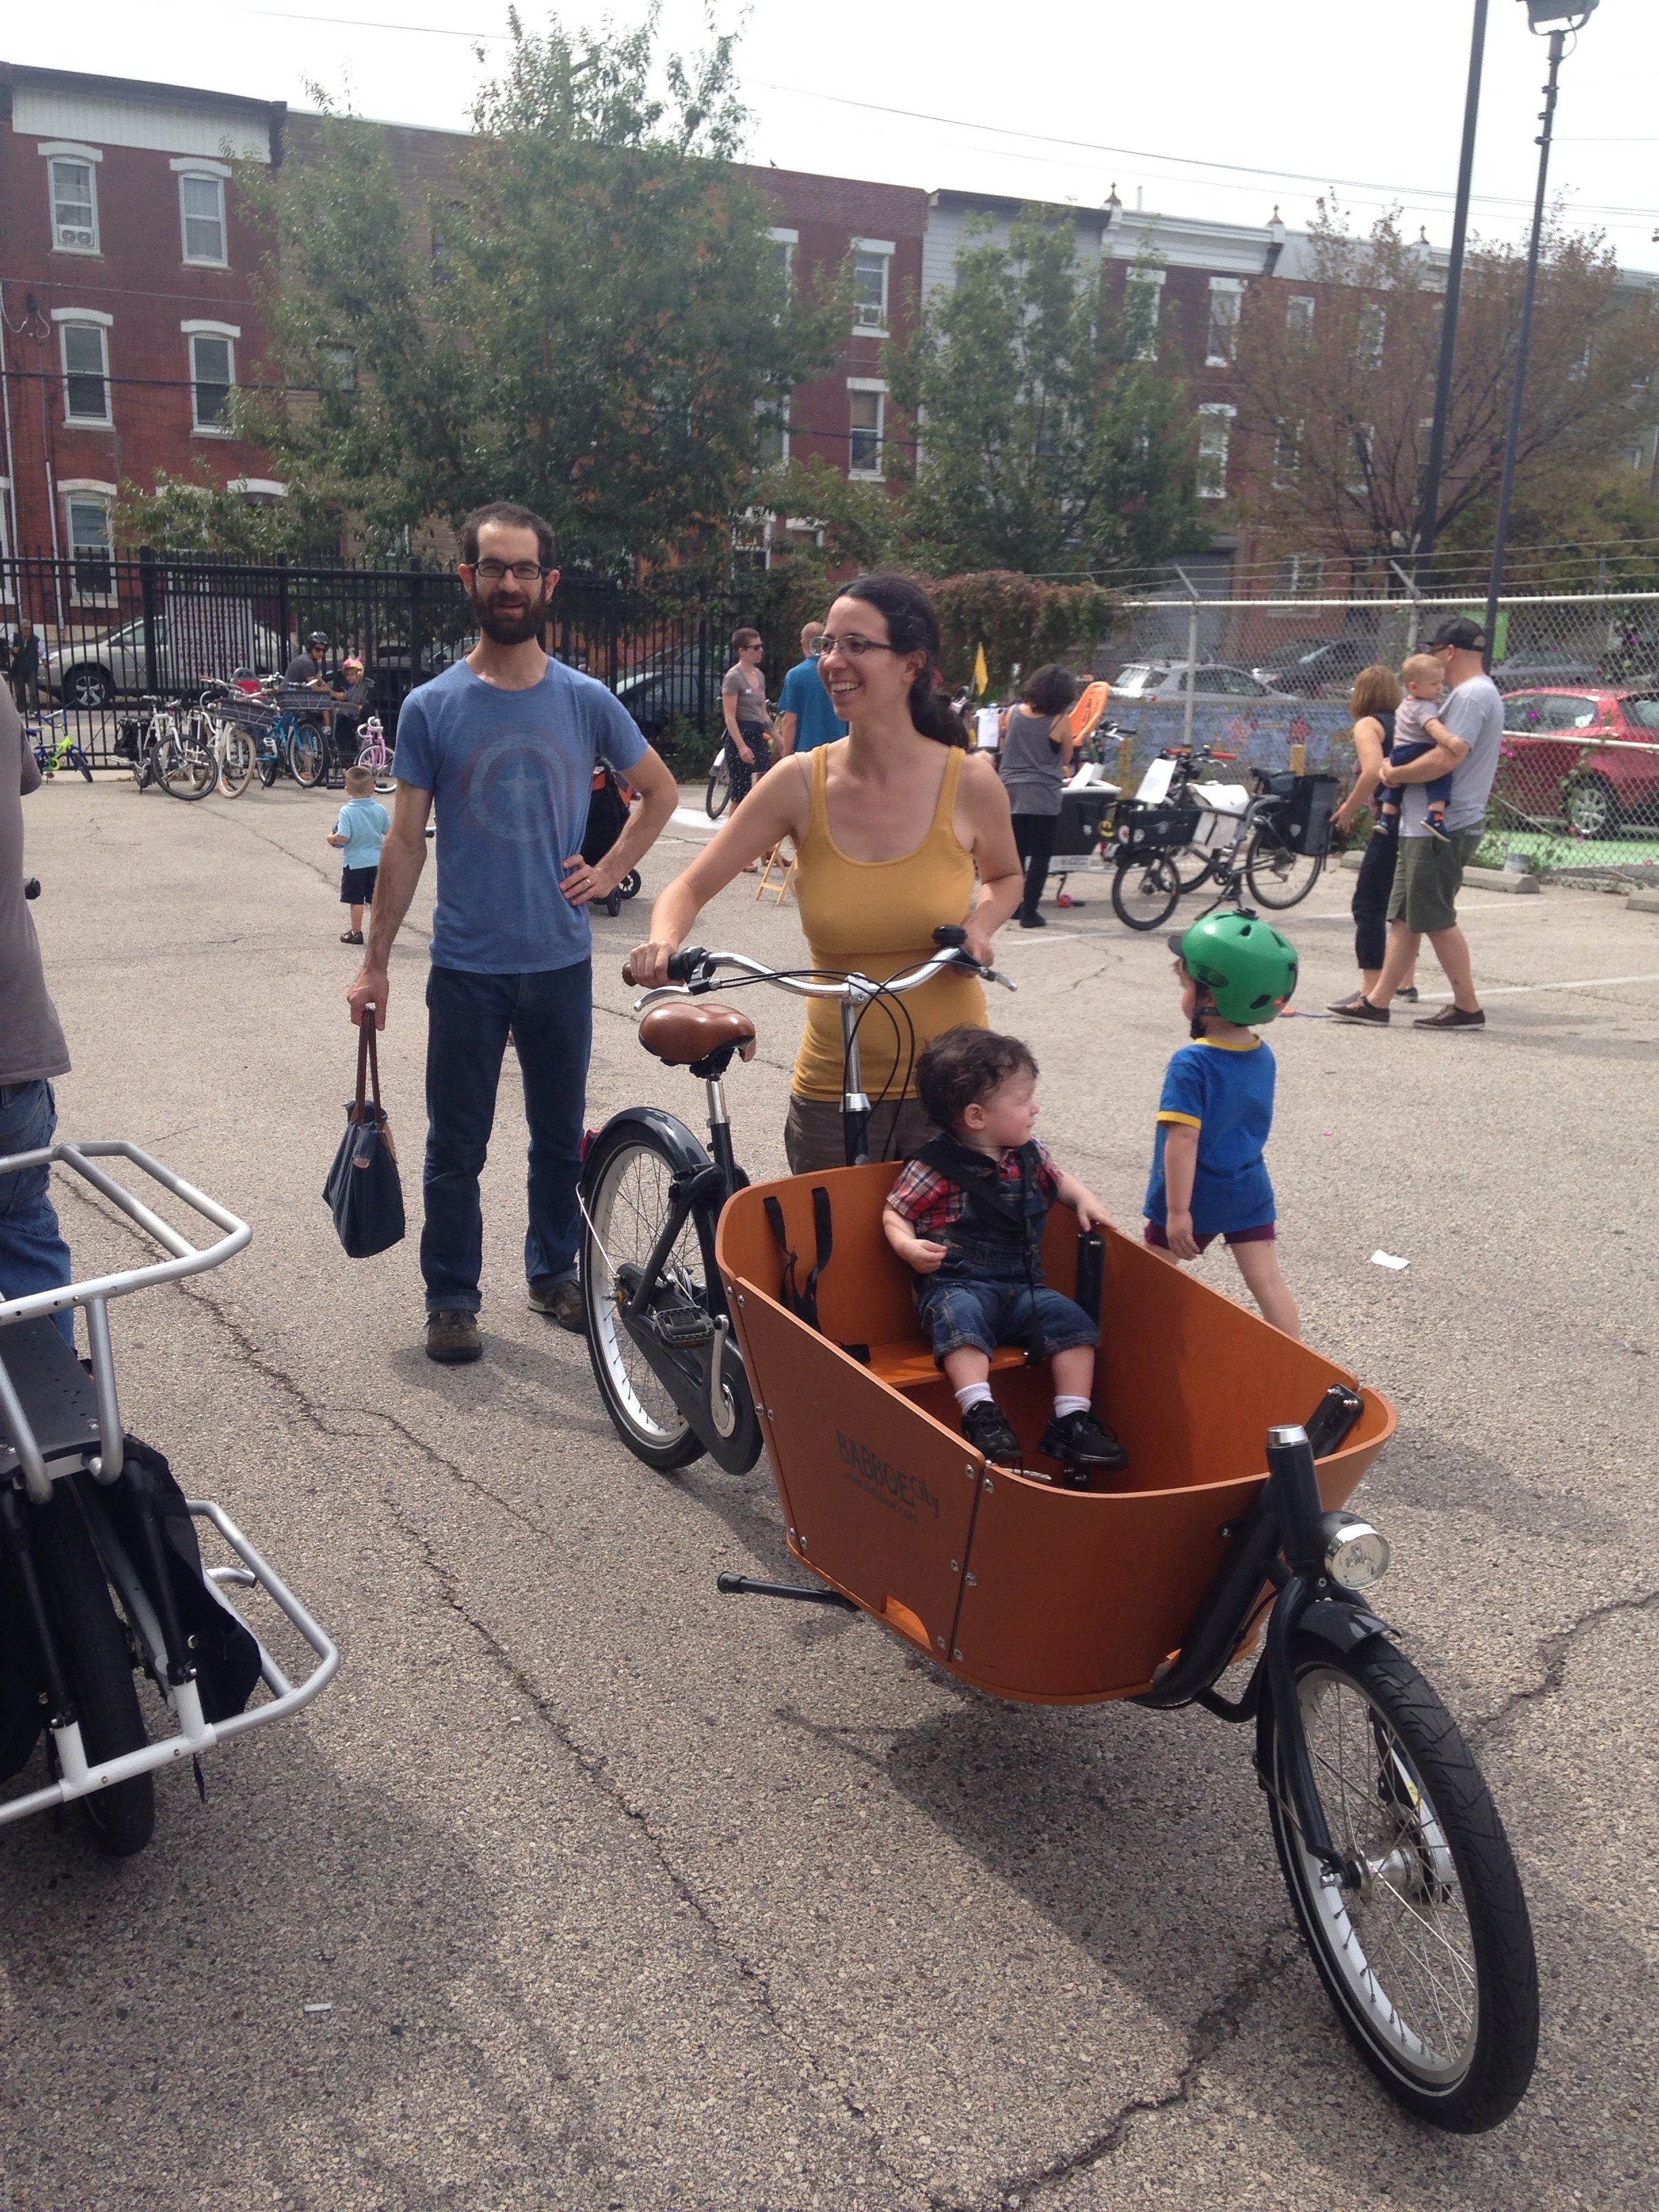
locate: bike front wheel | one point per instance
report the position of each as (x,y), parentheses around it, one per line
(717,797)
(1146,892)
(1422,1943)
(374,758)
(236,752)
(627,1182)
(187,765)
(306,761)
(1278,878)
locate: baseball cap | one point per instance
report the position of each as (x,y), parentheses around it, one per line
(1465,636)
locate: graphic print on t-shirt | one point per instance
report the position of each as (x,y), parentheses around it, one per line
(507,790)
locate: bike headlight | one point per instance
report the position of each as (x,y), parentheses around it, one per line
(1356,1554)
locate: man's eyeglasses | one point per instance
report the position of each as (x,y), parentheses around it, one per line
(854,648)
(522,571)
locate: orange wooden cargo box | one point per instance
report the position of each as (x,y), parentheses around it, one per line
(1055,1596)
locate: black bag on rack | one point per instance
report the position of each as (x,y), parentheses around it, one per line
(363,1192)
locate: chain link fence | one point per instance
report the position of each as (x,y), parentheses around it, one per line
(1576,794)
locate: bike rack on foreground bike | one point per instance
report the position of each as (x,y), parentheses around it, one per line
(57,1422)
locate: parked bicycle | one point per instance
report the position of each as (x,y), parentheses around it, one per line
(1278,850)
(373,754)
(256,735)
(56,745)
(171,745)
(718,796)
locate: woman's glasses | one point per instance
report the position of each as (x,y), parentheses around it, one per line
(522,571)
(853,648)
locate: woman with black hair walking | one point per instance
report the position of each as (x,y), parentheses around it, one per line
(892,823)
(1037,745)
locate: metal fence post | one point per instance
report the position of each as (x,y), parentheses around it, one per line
(414,621)
(1192,657)
(147,599)
(1416,600)
(284,611)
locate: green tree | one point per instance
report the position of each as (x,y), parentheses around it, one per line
(1050,440)
(587,318)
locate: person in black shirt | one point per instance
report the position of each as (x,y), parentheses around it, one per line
(308,667)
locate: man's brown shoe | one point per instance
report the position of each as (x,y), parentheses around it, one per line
(560,1302)
(452,1338)
(1359,1009)
(1452,1018)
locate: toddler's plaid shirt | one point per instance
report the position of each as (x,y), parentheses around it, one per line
(930,1202)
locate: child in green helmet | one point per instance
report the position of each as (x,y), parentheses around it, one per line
(1209,1177)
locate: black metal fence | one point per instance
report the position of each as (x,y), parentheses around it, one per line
(109,630)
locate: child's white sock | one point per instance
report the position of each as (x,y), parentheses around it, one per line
(974,1393)
(1063,1405)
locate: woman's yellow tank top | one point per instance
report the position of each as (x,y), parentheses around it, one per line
(879,917)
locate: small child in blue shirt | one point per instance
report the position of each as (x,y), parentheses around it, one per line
(1209,1177)
(360,832)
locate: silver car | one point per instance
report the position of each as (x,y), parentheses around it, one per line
(192,645)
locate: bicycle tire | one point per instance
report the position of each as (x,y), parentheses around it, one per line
(626,1181)
(93,1647)
(1455,2040)
(1275,873)
(1146,892)
(270,766)
(306,761)
(78,759)
(187,764)
(375,758)
(717,797)
(236,759)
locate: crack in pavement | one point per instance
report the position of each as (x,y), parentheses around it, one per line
(591,1762)
(1553,1652)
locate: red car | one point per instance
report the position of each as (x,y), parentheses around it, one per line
(1565,754)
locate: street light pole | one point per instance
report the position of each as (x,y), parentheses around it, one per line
(1430,521)
(1561,16)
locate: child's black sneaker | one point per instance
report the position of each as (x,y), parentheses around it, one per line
(986,1427)
(1079,1440)
(1437,829)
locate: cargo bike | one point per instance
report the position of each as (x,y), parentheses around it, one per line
(724,1316)
(101,1575)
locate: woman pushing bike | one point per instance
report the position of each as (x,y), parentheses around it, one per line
(892,823)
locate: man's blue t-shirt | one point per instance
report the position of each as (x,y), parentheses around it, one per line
(803,696)
(1226,1093)
(511,774)
(363,823)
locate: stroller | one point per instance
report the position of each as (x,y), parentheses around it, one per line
(607,817)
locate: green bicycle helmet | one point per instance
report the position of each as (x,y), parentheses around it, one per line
(1244,964)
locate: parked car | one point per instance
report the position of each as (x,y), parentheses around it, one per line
(1553,764)
(1308,666)
(1164,680)
(97,671)
(1542,671)
(671,686)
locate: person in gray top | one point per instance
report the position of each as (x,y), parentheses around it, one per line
(1429,870)
(33,1254)
(1036,755)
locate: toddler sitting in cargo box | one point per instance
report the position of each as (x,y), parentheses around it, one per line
(967,1215)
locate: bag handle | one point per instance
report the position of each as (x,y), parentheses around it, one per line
(369,1068)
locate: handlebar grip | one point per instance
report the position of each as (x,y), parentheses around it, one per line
(951,933)
(31,887)
(682,966)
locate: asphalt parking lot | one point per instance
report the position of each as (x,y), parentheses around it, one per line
(620,1895)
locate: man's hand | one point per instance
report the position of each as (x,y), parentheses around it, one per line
(646,965)
(584,882)
(1178,1228)
(371,990)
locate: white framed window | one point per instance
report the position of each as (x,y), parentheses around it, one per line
(1287,453)
(1215,428)
(83,345)
(772,442)
(872,258)
(1300,576)
(784,243)
(1226,294)
(339,367)
(866,425)
(1299,315)
(201,212)
(212,374)
(1373,330)
(1143,296)
(87,507)
(1364,437)
(72,181)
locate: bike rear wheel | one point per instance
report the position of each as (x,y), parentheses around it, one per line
(1146,892)
(236,752)
(628,1181)
(93,1651)
(306,759)
(1425,1947)
(717,797)
(187,765)
(375,757)
(1278,878)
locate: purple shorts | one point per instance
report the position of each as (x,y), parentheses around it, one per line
(1267,1234)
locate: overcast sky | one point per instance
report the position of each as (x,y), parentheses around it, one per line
(1206,107)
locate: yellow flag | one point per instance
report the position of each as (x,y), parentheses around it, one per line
(981,673)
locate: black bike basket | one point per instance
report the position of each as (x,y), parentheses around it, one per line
(1139,831)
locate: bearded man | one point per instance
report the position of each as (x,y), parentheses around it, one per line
(505,744)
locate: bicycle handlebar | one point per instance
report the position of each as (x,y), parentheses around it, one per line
(695,973)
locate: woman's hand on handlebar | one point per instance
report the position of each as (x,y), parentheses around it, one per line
(646,965)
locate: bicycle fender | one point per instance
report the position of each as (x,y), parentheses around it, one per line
(688,1154)
(1343,1625)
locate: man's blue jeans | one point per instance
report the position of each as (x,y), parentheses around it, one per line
(551,1016)
(33,1254)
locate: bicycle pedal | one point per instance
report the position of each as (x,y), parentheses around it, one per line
(682,1327)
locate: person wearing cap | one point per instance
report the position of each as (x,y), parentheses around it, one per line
(1209,1176)
(1428,870)
(307,667)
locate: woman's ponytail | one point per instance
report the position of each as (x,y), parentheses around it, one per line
(913,627)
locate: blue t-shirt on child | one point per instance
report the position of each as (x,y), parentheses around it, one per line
(511,774)
(1226,1093)
(803,696)
(363,823)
